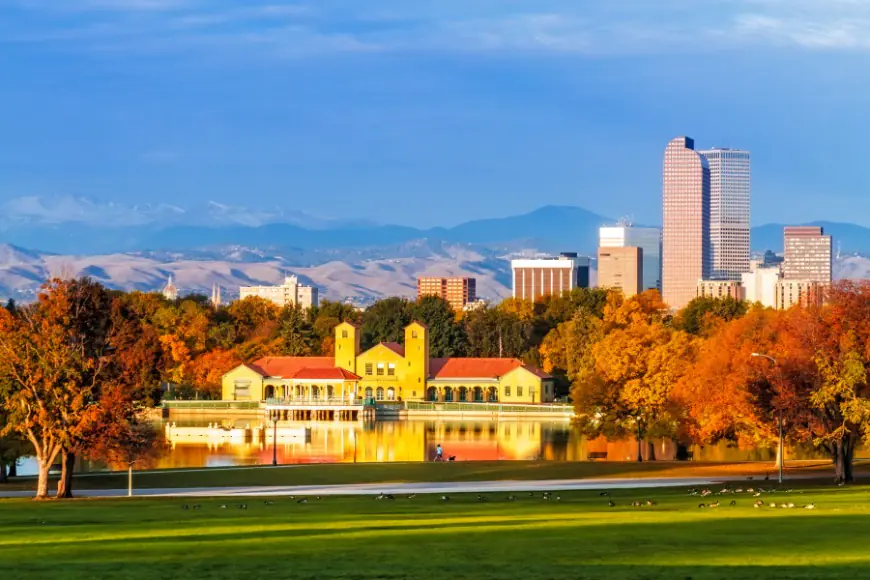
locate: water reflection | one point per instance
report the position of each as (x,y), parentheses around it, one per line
(211,442)
(249,442)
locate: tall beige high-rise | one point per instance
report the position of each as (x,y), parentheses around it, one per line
(621,269)
(807,254)
(685,222)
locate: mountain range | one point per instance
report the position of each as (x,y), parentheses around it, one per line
(139,246)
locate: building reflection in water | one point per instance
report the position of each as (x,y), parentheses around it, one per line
(207,443)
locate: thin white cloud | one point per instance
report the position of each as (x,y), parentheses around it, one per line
(304,27)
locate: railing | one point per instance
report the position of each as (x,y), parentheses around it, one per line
(489,408)
(336,402)
(216,405)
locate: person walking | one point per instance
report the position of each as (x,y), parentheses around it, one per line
(439,453)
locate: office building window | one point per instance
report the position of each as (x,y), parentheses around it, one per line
(380,369)
(391,370)
(369,369)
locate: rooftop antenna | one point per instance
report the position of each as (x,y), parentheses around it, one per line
(839,248)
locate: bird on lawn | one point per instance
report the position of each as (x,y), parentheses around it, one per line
(811,506)
(185,507)
(651,503)
(610,503)
(197,506)
(715,504)
(412,496)
(604,494)
(268,502)
(733,503)
(445,498)
(702,506)
(558,498)
(758,503)
(791,505)
(481,498)
(531,494)
(749,478)
(302,500)
(512,498)
(223,506)
(766,477)
(243,506)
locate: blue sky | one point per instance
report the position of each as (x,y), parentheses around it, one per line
(432,112)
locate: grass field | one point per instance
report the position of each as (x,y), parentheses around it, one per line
(342,473)
(578,537)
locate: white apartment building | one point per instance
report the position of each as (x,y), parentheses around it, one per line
(536,278)
(290,293)
(760,285)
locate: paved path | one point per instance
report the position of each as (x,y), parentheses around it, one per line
(396,488)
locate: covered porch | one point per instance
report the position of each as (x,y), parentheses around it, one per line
(462,394)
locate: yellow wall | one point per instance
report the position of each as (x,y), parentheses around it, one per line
(367,365)
(237,377)
(347,347)
(409,381)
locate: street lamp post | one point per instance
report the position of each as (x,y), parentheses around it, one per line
(781,450)
(274,438)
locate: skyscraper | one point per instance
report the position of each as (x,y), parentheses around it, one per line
(729,212)
(685,222)
(625,235)
(808,254)
(621,269)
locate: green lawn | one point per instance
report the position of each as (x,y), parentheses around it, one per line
(579,537)
(327,474)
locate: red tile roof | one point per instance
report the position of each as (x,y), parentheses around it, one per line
(395,347)
(333,373)
(287,366)
(477,368)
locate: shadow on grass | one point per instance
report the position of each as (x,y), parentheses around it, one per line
(753,545)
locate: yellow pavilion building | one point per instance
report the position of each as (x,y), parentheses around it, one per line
(388,372)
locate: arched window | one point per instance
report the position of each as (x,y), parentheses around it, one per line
(379,394)
(391,394)
(448,394)
(315,393)
(368,392)
(431,394)
(463,394)
(330,392)
(478,395)
(493,395)
(270,392)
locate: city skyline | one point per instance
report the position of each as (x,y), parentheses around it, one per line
(314,106)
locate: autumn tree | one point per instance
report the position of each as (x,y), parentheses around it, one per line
(53,355)
(626,389)
(118,435)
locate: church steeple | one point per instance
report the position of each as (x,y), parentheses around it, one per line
(170,292)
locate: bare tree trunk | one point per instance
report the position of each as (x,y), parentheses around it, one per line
(13,468)
(64,485)
(3,474)
(130,480)
(778,456)
(639,444)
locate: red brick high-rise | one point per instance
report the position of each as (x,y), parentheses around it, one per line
(457,291)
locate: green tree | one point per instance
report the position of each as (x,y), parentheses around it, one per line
(295,333)
(492,332)
(704,313)
(385,321)
(446,335)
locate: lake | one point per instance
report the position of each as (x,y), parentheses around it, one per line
(215,441)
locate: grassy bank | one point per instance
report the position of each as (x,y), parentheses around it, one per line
(578,537)
(333,474)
